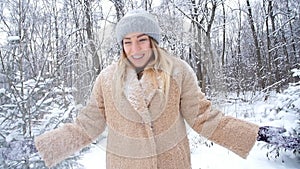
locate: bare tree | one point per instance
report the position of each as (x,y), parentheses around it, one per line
(119,6)
(148,5)
(54,47)
(90,36)
(257,47)
(224,34)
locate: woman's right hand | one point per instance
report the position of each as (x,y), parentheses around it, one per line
(18,150)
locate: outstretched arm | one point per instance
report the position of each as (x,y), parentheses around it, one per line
(56,145)
(234,134)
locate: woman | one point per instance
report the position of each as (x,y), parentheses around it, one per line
(144,101)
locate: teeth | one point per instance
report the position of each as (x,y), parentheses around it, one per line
(137,56)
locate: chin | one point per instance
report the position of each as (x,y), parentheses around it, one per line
(139,65)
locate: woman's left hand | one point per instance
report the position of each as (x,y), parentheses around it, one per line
(274,136)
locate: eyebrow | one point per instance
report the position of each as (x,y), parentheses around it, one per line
(138,36)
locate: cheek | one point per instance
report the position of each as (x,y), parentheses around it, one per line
(126,50)
(147,45)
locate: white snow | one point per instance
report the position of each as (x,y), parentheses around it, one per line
(13,38)
(2,91)
(214,157)
(217,157)
(296,72)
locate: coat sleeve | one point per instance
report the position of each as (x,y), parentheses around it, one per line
(234,134)
(56,145)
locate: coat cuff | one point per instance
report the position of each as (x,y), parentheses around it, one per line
(56,145)
(237,135)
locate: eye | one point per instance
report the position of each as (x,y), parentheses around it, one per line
(143,39)
(127,42)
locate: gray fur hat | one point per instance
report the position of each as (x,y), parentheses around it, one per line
(138,21)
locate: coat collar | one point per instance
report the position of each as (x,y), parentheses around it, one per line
(139,93)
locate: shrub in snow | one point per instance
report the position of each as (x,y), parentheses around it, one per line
(287,106)
(29,109)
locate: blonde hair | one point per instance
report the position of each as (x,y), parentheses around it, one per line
(162,65)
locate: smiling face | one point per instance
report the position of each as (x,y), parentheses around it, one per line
(137,48)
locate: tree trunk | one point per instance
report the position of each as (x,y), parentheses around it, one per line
(89,30)
(239,53)
(274,55)
(269,54)
(119,6)
(293,53)
(257,47)
(197,30)
(224,35)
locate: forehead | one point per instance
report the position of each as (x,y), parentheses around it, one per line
(134,35)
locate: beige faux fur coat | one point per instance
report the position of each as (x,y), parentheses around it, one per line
(142,132)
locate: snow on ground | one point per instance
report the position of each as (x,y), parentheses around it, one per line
(217,157)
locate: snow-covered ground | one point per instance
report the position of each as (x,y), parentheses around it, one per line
(217,157)
(214,157)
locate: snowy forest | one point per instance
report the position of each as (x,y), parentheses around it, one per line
(51,51)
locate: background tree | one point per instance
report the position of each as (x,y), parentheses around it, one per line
(259,68)
(53,50)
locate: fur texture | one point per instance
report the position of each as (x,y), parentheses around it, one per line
(143,131)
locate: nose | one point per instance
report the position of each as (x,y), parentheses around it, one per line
(135,48)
